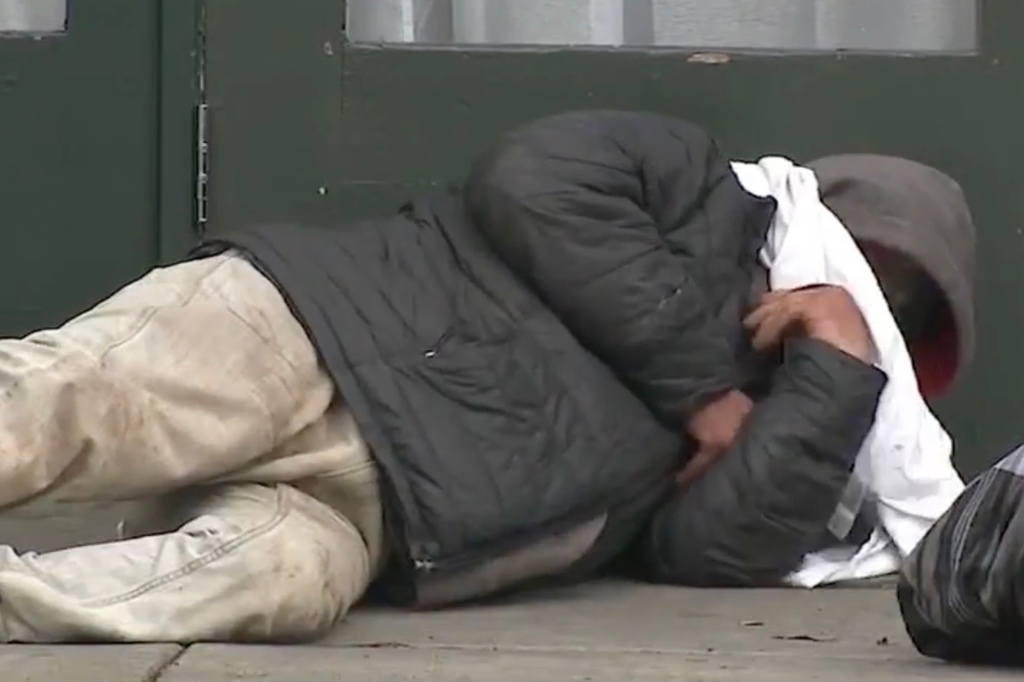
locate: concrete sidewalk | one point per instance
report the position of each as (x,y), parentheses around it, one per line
(601,632)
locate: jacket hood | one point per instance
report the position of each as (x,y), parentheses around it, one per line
(920,212)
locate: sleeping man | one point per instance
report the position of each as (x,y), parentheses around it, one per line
(609,342)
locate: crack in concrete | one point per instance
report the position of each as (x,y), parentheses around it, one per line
(825,653)
(158,670)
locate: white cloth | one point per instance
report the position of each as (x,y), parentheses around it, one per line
(905,460)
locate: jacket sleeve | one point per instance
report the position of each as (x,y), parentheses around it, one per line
(757,512)
(607,216)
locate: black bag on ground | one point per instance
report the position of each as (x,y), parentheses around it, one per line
(961,592)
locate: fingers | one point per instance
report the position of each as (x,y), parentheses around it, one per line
(773,319)
(695,468)
(779,311)
(804,293)
(775,295)
(825,312)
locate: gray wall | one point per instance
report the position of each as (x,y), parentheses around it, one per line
(885,25)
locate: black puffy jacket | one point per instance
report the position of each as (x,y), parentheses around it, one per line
(522,355)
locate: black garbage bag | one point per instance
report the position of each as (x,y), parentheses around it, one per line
(961,592)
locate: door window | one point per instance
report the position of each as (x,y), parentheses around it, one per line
(33,16)
(788,25)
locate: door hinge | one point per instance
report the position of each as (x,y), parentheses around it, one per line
(202,166)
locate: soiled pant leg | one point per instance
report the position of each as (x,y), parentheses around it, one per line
(194,375)
(255,563)
(191,372)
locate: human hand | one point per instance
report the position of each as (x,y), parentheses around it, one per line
(827,313)
(714,427)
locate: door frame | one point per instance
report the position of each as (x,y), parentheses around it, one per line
(180,62)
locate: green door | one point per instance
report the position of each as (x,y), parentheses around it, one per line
(81,126)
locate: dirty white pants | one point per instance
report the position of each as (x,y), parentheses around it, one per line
(195,386)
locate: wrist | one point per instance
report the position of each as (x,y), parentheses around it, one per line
(860,346)
(728,401)
(817,368)
(811,346)
(860,352)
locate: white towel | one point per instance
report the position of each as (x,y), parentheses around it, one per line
(904,462)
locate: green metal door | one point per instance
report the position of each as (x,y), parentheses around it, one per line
(84,113)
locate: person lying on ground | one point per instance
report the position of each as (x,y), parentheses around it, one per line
(494,387)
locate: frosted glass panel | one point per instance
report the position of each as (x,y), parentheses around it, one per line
(32,16)
(545,22)
(400,21)
(886,25)
(753,24)
(912,25)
